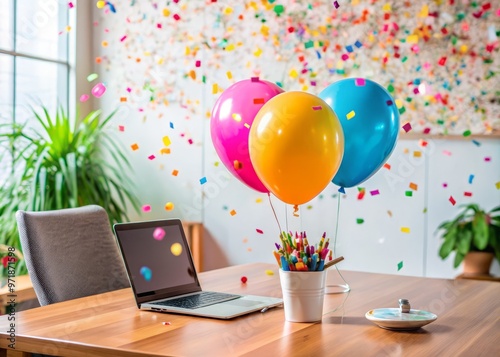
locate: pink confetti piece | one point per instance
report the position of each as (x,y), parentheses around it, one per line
(123,38)
(159,26)
(177,17)
(260,231)
(446,152)
(190,141)
(151,157)
(254,79)
(317,107)
(374,192)
(121,128)
(98,90)
(445,184)
(336,4)
(146,208)
(84,98)
(452,200)
(345,57)
(129,89)
(407,127)
(198,63)
(70,5)
(360,82)
(487,159)
(158,233)
(427,130)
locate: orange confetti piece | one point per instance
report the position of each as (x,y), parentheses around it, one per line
(413,186)
(387,166)
(169,206)
(192,74)
(175,172)
(165,151)
(237,165)
(417,154)
(259,101)
(134,147)
(233,212)
(123,99)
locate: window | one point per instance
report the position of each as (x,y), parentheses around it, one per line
(34,61)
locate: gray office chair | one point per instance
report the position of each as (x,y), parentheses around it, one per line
(70,253)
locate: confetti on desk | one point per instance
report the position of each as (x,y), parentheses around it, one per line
(400,265)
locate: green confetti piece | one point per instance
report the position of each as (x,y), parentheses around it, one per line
(425,210)
(92,76)
(279,9)
(360,220)
(404,59)
(402,110)
(400,265)
(466,133)
(390,88)
(408,193)
(204,79)
(309,44)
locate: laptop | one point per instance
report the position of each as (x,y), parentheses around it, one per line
(164,279)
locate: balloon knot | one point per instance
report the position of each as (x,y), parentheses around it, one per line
(295,210)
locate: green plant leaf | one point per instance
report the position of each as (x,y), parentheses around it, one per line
(447,246)
(480,231)
(464,240)
(459,257)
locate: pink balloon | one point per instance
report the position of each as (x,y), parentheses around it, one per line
(232,117)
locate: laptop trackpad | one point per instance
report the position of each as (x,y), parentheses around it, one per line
(242,302)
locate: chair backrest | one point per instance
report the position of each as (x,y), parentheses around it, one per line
(70,253)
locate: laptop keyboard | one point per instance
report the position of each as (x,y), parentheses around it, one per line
(198,300)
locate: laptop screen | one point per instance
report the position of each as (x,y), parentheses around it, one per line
(157,258)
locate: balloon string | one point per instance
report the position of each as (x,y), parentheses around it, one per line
(275,216)
(295,210)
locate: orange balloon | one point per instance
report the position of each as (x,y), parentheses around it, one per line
(296,146)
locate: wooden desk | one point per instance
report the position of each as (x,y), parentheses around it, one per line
(111,325)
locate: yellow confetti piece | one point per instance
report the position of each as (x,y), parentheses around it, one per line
(134,147)
(228,10)
(175,172)
(293,73)
(269,272)
(350,115)
(215,88)
(236,117)
(258,200)
(229,75)
(424,12)
(497,185)
(257,52)
(399,103)
(100,4)
(176,249)
(166,12)
(169,206)
(386,7)
(246,125)
(68,28)
(233,212)
(166,140)
(412,39)
(417,154)
(413,186)
(264,30)
(463,48)
(230,47)
(405,229)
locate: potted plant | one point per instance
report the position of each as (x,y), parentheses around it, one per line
(54,162)
(474,235)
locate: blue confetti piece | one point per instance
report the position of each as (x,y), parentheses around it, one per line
(318,54)
(203,180)
(349,48)
(471,177)
(342,190)
(111,7)
(477,143)
(171,125)
(358,44)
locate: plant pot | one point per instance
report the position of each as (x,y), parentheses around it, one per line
(477,263)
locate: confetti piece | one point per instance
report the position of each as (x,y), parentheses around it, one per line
(317,107)
(359,82)
(166,141)
(400,265)
(405,229)
(146,208)
(98,90)
(203,180)
(70,4)
(336,4)
(407,127)
(422,143)
(446,152)
(84,98)
(389,102)
(255,79)
(237,165)
(121,128)
(466,133)
(100,4)
(413,186)
(151,157)
(468,194)
(244,279)
(175,172)
(408,193)
(198,63)
(165,151)
(389,213)
(169,206)
(387,166)
(471,178)
(442,61)
(233,212)
(259,200)
(158,233)
(487,159)
(341,189)
(477,143)
(269,272)
(452,200)
(134,147)
(497,185)
(445,185)
(260,231)
(166,323)
(177,17)
(229,75)
(92,76)
(359,220)
(176,249)
(146,273)
(259,101)
(246,125)
(350,115)
(374,192)
(417,154)
(123,38)
(215,88)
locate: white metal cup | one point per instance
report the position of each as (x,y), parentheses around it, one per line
(303,295)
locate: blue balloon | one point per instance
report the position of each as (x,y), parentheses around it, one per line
(370,120)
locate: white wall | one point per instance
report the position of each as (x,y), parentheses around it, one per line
(376,245)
